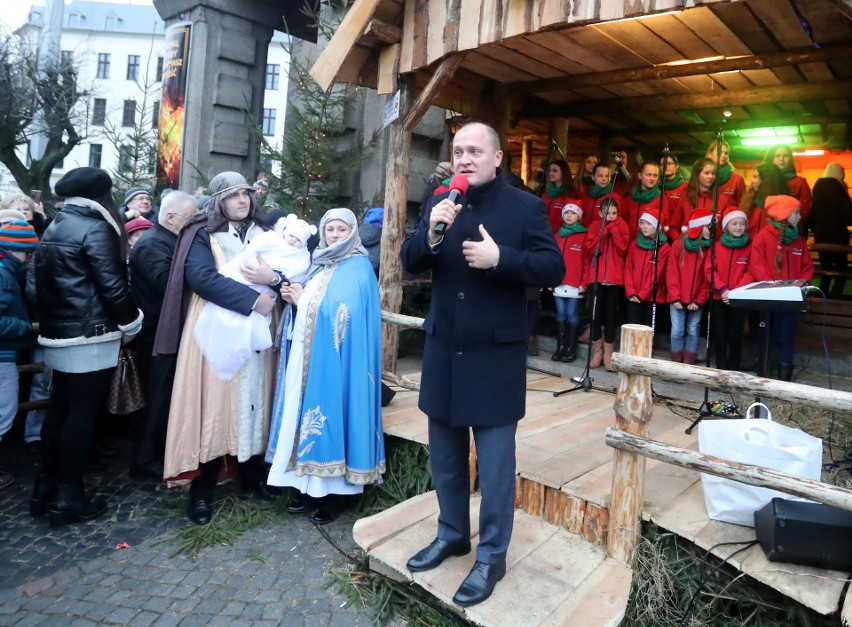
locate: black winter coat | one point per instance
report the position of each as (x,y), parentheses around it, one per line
(831,213)
(81,279)
(150,262)
(474,362)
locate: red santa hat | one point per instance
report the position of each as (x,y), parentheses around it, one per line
(573,208)
(733,212)
(652,216)
(698,219)
(780,207)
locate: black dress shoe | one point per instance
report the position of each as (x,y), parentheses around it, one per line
(434,554)
(299,504)
(199,511)
(479,583)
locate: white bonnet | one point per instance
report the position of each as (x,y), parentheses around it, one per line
(292,225)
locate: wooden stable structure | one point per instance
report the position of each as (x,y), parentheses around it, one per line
(580,506)
(590,75)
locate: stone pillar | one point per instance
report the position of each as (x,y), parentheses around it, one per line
(226,79)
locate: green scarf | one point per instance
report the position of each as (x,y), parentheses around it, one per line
(587,180)
(596,191)
(692,244)
(789,174)
(790,233)
(446,182)
(554,191)
(648,243)
(645,197)
(759,199)
(729,241)
(569,229)
(724,174)
(674,182)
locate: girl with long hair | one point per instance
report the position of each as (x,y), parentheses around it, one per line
(559,190)
(766,180)
(782,156)
(645,196)
(674,187)
(583,180)
(731,185)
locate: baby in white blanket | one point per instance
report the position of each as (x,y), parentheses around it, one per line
(226,338)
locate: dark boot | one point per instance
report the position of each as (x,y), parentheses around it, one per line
(560,341)
(677,356)
(690,358)
(43,494)
(571,343)
(72,505)
(785,372)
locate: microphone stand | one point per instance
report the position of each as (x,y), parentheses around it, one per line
(656,258)
(584,381)
(704,411)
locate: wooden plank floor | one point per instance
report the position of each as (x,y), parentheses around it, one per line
(563,461)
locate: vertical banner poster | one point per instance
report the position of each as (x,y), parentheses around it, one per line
(173,105)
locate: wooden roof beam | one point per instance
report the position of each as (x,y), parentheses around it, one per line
(826,90)
(658,72)
(384,32)
(728,125)
(332,58)
(442,76)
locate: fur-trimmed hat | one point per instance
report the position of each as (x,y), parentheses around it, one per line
(733,212)
(91,183)
(137,224)
(18,236)
(292,225)
(781,207)
(570,206)
(698,219)
(652,216)
(133,192)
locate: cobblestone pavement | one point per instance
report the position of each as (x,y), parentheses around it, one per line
(272,575)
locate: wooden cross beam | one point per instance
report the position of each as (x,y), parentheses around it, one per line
(328,65)
(443,75)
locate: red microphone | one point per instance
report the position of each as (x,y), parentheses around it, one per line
(458,187)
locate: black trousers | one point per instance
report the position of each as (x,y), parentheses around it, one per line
(833,287)
(66,436)
(609,299)
(727,329)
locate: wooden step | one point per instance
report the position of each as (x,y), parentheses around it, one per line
(553,577)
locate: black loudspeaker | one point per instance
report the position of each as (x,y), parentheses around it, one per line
(809,534)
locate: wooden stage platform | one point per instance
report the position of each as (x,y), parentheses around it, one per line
(558,570)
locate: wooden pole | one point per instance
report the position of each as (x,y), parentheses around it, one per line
(526,160)
(634,407)
(731,381)
(393,230)
(744,473)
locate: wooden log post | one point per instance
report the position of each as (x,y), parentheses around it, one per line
(393,230)
(634,408)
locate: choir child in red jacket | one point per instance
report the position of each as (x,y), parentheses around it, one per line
(584,180)
(559,190)
(604,278)
(782,157)
(674,187)
(779,252)
(731,185)
(729,265)
(645,269)
(699,190)
(570,238)
(766,180)
(645,196)
(597,193)
(687,287)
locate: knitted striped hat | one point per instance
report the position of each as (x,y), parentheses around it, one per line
(18,235)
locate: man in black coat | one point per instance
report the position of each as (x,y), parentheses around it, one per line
(150,261)
(496,243)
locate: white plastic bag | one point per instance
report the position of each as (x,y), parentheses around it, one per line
(761,443)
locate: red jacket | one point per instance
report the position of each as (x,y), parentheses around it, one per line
(802,191)
(610,269)
(685,279)
(639,272)
(705,201)
(731,269)
(592,207)
(554,209)
(795,257)
(756,221)
(573,252)
(732,191)
(632,210)
(674,201)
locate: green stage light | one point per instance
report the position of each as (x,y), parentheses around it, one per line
(771,141)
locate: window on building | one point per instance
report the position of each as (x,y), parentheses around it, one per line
(159,69)
(109,22)
(155,115)
(60,165)
(269,121)
(128,117)
(73,20)
(99,112)
(133,67)
(273,70)
(125,158)
(95,155)
(67,57)
(103,65)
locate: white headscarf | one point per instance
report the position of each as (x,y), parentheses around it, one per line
(324,254)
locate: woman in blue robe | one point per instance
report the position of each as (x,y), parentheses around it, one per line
(327,408)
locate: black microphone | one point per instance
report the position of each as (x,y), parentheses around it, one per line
(458,187)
